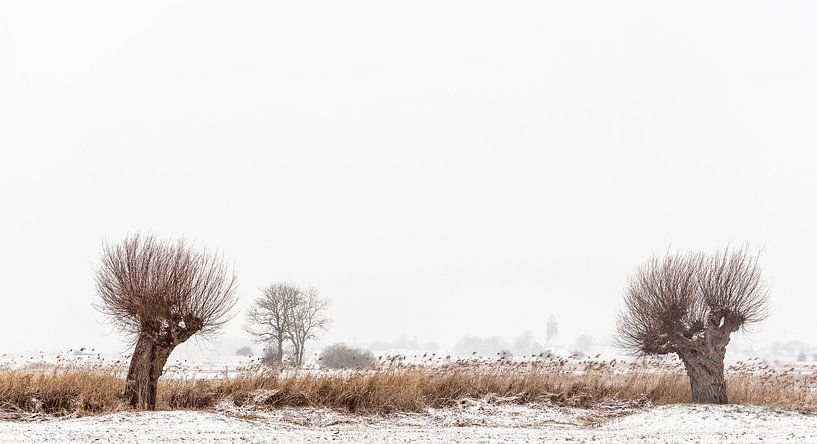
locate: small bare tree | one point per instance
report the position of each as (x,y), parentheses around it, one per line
(690,304)
(286,313)
(161,294)
(269,318)
(308,317)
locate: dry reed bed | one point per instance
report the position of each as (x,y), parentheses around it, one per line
(391,386)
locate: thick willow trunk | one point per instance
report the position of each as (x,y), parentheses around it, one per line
(146,366)
(705,371)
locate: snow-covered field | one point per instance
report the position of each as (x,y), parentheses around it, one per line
(474,421)
(485,420)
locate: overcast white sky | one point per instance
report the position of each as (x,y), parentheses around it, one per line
(436,168)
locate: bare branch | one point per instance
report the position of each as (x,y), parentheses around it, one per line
(675,300)
(165,288)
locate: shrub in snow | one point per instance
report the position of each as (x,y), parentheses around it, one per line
(341,355)
(270,357)
(244,351)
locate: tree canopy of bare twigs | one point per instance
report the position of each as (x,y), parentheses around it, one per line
(308,317)
(161,294)
(268,320)
(286,314)
(690,304)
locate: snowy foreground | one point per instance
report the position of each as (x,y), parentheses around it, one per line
(470,422)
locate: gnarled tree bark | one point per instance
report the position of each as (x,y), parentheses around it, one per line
(162,294)
(690,305)
(147,364)
(706,380)
(137,384)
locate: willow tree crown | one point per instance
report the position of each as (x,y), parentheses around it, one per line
(686,300)
(166,290)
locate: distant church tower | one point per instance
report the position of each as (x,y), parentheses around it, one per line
(552,330)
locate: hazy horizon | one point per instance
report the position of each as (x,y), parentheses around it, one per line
(452,168)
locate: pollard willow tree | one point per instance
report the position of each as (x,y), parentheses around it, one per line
(161,294)
(690,304)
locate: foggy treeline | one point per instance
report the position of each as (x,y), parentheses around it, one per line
(525,344)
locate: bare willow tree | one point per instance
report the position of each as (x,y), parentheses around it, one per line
(269,317)
(690,304)
(287,314)
(161,294)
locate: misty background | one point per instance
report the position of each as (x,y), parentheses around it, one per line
(436,169)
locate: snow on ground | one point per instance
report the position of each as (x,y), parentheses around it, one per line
(473,421)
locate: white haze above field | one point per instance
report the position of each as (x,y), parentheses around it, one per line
(435,168)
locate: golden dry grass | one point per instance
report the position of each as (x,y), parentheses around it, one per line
(396,387)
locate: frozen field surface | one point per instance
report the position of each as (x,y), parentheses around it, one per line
(471,422)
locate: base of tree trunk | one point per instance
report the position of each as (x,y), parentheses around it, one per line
(146,366)
(705,371)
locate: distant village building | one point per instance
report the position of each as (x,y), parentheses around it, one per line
(552,331)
